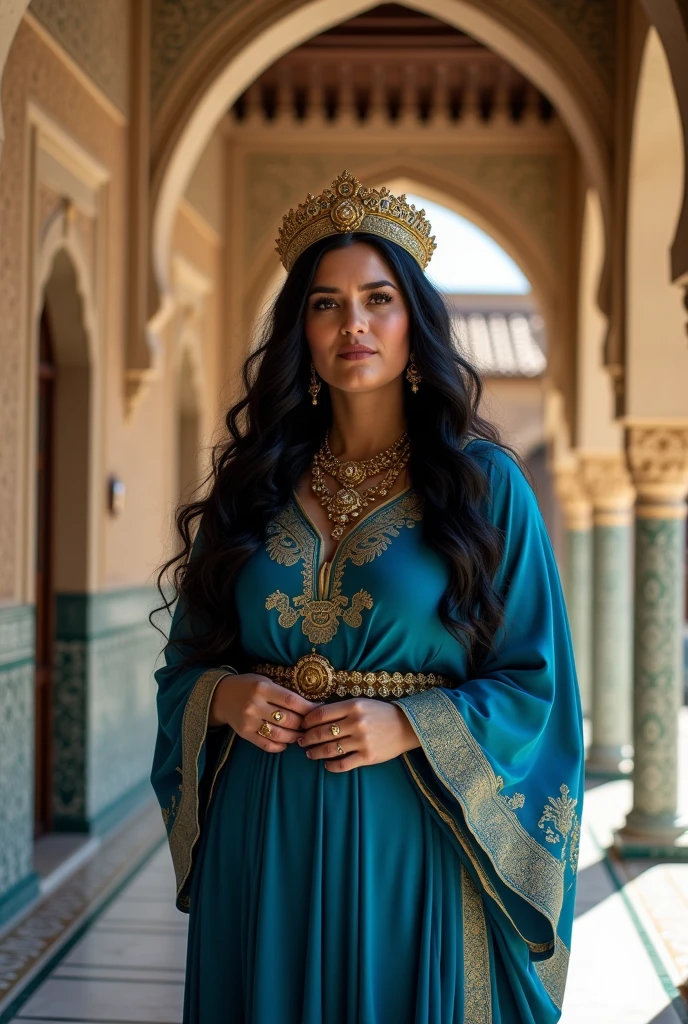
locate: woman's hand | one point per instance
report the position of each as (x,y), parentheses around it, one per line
(244,702)
(370,731)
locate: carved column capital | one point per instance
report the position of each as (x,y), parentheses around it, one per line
(607,481)
(572,495)
(657,454)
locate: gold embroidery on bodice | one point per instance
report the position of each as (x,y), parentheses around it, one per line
(292,538)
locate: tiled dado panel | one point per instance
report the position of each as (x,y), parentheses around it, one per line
(17,882)
(104,705)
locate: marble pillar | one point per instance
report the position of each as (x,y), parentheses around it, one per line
(577,571)
(658,458)
(608,483)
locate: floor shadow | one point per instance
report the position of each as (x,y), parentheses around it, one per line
(594,782)
(625,869)
(675,1012)
(595,884)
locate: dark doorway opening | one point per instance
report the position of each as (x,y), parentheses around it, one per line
(45,593)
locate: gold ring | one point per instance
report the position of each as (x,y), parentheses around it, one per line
(265,730)
(334,729)
(340,749)
(277,715)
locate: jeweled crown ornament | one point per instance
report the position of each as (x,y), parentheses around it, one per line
(349,206)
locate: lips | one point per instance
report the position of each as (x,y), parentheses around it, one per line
(356,352)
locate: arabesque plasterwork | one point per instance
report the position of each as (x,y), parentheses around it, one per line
(607,480)
(658,458)
(96,36)
(572,494)
(592,26)
(177,26)
(526,184)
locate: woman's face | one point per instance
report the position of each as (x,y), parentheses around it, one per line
(357,320)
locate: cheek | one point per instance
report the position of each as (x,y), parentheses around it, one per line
(317,331)
(393,331)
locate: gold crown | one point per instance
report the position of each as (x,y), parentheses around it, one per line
(350,206)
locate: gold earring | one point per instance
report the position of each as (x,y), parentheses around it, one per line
(412,374)
(314,386)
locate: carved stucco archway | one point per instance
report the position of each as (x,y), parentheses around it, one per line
(242,38)
(456,193)
(63,281)
(248,40)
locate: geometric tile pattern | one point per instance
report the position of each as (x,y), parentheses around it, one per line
(104,723)
(16,744)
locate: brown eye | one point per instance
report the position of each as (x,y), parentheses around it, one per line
(380,298)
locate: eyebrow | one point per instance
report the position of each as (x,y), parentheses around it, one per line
(329,290)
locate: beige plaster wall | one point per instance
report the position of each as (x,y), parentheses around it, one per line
(517,407)
(657,354)
(148,446)
(204,250)
(595,426)
(206,190)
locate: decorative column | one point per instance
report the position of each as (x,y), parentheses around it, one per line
(658,459)
(577,574)
(608,483)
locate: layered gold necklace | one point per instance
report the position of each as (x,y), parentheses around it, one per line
(347,503)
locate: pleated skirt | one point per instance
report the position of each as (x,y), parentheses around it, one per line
(320,898)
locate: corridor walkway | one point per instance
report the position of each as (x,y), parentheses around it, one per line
(126,966)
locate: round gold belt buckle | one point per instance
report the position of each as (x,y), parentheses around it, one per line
(313,677)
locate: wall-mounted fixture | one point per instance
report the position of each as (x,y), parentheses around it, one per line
(117,493)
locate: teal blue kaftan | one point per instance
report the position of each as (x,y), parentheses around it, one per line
(435,888)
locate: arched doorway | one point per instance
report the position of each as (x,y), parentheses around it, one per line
(45,596)
(62,531)
(227,62)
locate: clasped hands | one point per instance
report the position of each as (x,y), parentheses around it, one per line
(370,731)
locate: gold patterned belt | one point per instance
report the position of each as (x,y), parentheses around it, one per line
(315,678)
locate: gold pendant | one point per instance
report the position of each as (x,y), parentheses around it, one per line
(345,503)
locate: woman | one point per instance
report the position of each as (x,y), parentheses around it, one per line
(369,756)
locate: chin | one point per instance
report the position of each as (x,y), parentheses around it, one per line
(362,385)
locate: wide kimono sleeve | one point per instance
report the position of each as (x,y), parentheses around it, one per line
(188,754)
(501,755)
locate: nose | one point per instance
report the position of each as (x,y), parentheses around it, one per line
(354,320)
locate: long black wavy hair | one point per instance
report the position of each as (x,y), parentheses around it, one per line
(273,432)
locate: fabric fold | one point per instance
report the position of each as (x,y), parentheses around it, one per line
(434,888)
(501,756)
(188,753)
